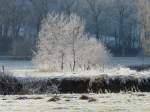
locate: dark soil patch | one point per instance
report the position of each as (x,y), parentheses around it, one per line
(84,97)
(54,99)
(26,98)
(92,100)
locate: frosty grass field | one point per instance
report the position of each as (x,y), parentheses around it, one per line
(110,102)
(116,67)
(128,102)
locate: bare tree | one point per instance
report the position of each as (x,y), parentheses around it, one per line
(144,12)
(103,18)
(125,11)
(96,10)
(67,6)
(41,9)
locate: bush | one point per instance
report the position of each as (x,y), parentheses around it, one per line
(9,84)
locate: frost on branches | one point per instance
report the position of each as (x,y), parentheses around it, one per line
(64,45)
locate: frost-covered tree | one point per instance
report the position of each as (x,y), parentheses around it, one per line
(64,45)
(76,37)
(49,47)
(94,54)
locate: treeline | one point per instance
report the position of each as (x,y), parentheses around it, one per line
(20,24)
(121,24)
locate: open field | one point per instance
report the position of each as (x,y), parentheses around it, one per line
(122,102)
(108,102)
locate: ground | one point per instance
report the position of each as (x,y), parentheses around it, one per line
(109,102)
(122,102)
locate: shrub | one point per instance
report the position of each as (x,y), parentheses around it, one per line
(9,84)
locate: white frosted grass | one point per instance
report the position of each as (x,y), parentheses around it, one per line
(116,71)
(27,69)
(122,102)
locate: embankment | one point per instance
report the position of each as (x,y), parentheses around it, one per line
(10,85)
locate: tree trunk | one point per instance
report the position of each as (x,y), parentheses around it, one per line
(74,59)
(5,31)
(121,35)
(62,61)
(1,31)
